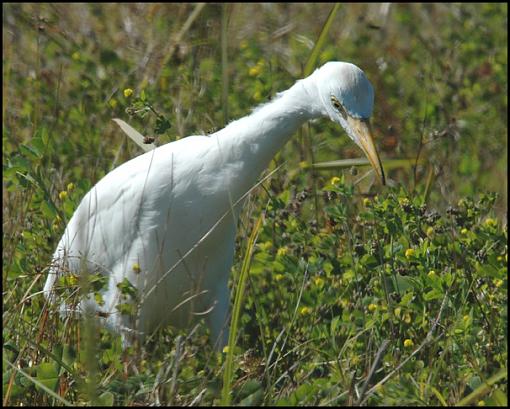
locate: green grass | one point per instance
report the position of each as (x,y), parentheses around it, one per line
(353,293)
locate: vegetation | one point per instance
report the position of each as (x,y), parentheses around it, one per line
(354,293)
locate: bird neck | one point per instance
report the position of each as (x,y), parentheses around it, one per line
(254,140)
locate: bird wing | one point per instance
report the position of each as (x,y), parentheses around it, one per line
(122,209)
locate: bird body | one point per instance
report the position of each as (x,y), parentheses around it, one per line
(166,220)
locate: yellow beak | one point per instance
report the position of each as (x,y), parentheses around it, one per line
(363,137)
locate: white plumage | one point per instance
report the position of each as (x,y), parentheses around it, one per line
(166,220)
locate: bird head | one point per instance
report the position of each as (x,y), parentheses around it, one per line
(347,98)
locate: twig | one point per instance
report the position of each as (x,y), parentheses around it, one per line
(177,38)
(198,398)
(377,359)
(177,359)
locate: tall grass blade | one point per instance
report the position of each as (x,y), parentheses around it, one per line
(224,63)
(243,275)
(428,185)
(39,384)
(483,389)
(348,163)
(310,64)
(438,394)
(177,38)
(312,60)
(136,136)
(51,355)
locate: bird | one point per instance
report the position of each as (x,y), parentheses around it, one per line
(166,220)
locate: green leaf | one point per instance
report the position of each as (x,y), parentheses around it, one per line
(47,374)
(483,388)
(48,210)
(434,294)
(369,261)
(401,284)
(125,287)
(47,370)
(248,388)
(38,383)
(40,142)
(498,398)
(106,399)
(407,298)
(162,125)
(126,309)
(30,152)
(255,399)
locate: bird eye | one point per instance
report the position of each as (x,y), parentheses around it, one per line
(338,106)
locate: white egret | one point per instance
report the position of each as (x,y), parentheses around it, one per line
(159,220)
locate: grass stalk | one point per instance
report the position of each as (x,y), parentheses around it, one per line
(226,395)
(224,62)
(314,56)
(484,388)
(39,384)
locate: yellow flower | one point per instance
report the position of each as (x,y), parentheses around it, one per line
(128,92)
(366,201)
(404,201)
(409,253)
(62,195)
(136,268)
(319,282)
(430,231)
(112,102)
(279,277)
(335,180)
(397,312)
(497,282)
(407,318)
(75,56)
(305,310)
(303,164)
(265,245)
(225,349)
(70,186)
(465,317)
(255,70)
(71,279)
(344,302)
(481,403)
(432,274)
(408,343)
(489,222)
(372,307)
(282,251)
(464,231)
